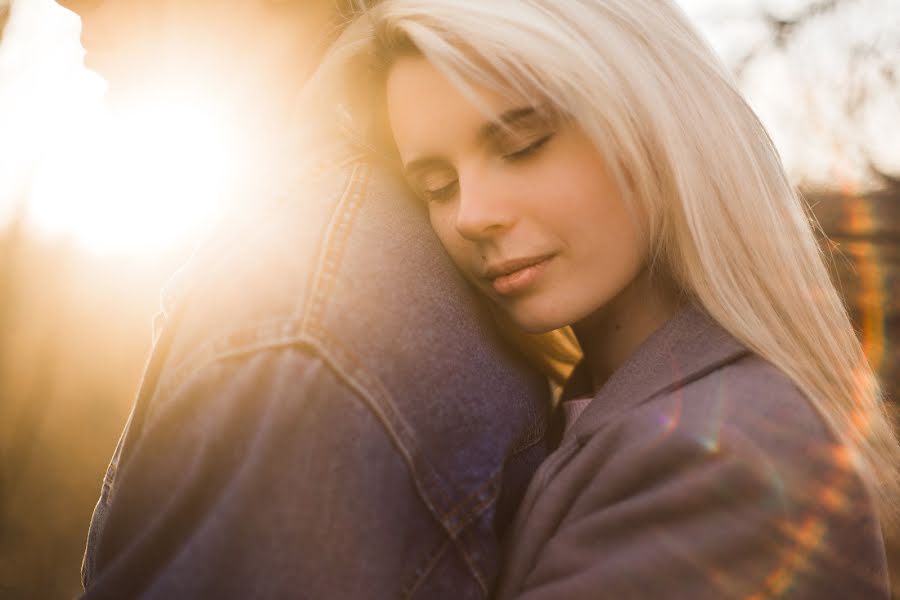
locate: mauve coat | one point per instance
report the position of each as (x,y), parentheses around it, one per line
(698,471)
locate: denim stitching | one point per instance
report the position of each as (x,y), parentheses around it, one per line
(473,548)
(362,382)
(237,342)
(210,350)
(422,573)
(359,384)
(371,391)
(307,331)
(321,249)
(428,480)
(333,245)
(481,497)
(107,489)
(532,436)
(382,404)
(284,334)
(280,332)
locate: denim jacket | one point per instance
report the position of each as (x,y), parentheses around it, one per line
(328,412)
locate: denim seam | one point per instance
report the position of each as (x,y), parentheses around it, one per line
(333,245)
(428,564)
(322,248)
(426,478)
(477,510)
(319,341)
(482,497)
(534,435)
(321,170)
(307,330)
(382,404)
(371,389)
(112,470)
(272,332)
(322,288)
(260,337)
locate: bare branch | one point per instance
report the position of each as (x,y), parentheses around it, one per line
(784,29)
(889,180)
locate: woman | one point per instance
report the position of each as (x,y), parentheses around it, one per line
(590,164)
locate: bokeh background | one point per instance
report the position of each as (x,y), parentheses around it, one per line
(98,209)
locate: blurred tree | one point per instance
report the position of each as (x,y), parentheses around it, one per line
(853,106)
(824,75)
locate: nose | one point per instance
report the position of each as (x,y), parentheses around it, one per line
(485,207)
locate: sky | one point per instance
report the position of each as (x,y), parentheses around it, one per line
(800,92)
(84,175)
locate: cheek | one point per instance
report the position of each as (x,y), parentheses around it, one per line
(604,237)
(442,222)
(611,233)
(616,256)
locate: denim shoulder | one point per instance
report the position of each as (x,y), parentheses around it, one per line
(347,267)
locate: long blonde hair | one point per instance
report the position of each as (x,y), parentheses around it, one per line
(699,170)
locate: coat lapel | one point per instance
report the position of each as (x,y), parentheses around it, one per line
(689,346)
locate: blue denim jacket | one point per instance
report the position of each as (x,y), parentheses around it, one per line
(327,412)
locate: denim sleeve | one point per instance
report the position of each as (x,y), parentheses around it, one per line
(264,476)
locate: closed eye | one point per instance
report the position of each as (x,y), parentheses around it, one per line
(441,194)
(528,150)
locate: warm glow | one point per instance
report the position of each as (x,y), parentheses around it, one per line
(153,173)
(140,180)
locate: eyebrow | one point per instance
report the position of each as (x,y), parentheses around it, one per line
(507,119)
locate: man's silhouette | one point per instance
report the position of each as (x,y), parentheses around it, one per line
(327,411)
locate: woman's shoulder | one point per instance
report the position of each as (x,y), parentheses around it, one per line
(748,418)
(750,396)
(737,467)
(746,411)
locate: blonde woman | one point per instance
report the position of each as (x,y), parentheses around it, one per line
(590,164)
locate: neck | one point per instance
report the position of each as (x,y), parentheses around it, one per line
(610,335)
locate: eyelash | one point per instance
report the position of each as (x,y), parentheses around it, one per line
(445,193)
(527,150)
(440,195)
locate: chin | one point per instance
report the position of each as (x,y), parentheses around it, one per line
(535,322)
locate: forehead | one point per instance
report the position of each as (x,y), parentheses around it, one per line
(426,108)
(415,84)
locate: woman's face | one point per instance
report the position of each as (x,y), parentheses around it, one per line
(524,205)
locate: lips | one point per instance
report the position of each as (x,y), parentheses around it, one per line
(514,276)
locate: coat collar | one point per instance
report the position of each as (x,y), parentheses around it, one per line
(690,345)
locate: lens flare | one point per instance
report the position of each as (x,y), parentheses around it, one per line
(143,180)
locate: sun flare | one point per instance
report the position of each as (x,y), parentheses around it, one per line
(140,180)
(152,174)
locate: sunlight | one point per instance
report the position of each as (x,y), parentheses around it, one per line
(140,181)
